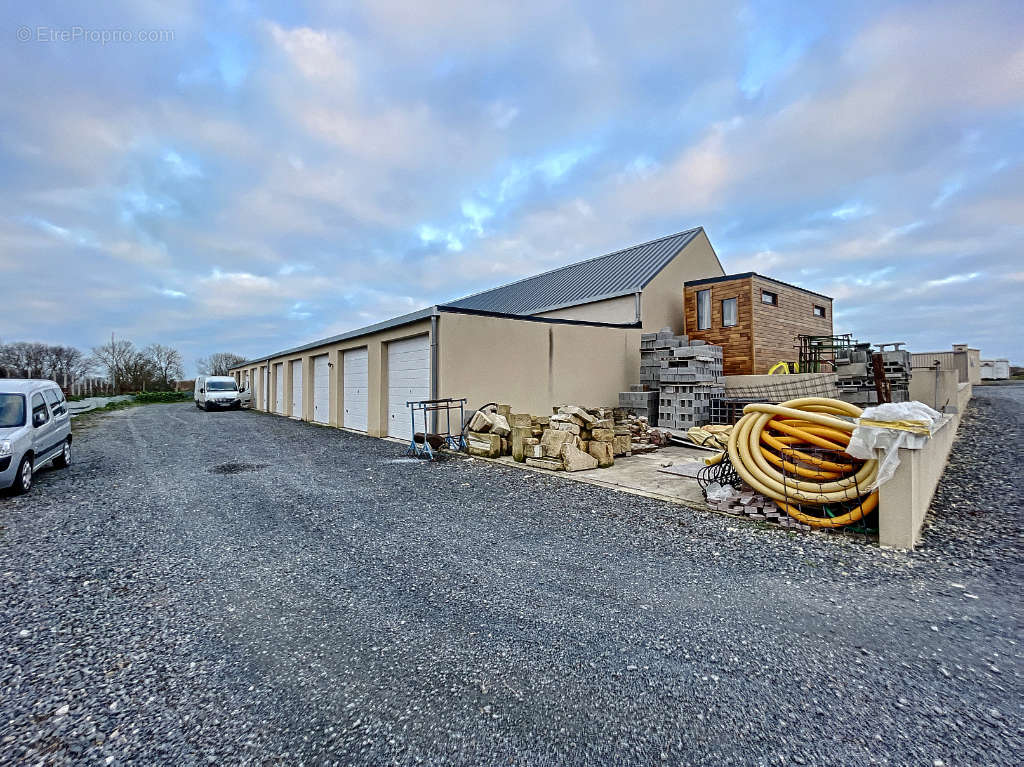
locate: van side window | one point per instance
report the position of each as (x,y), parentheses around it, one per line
(55,400)
(39,406)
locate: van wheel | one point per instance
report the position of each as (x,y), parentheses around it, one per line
(198,405)
(63,460)
(23,481)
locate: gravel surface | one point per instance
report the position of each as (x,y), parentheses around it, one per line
(219,588)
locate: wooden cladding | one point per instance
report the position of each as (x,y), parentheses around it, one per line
(766,330)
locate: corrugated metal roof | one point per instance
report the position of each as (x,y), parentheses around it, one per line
(615,274)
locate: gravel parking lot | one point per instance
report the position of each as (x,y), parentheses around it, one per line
(219,588)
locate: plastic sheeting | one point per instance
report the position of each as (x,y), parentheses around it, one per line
(887,428)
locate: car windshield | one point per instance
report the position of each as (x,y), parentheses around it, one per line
(221,386)
(12,410)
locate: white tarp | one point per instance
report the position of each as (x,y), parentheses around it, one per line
(889,427)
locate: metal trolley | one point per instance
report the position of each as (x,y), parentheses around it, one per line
(430,408)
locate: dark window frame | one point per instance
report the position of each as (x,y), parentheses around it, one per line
(773,298)
(820,311)
(706,323)
(735,313)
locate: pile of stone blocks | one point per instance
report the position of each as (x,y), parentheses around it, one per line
(759,508)
(678,380)
(489,432)
(573,438)
(857,376)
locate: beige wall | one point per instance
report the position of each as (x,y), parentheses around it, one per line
(534,365)
(376,345)
(941,395)
(621,310)
(662,302)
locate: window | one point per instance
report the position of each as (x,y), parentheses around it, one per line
(767,297)
(39,406)
(819,311)
(703,309)
(221,386)
(12,410)
(55,399)
(728,312)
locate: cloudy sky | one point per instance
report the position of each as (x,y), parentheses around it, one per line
(243,177)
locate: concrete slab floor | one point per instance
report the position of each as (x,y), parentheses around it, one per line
(638,474)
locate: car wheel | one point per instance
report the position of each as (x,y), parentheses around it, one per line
(64,459)
(23,482)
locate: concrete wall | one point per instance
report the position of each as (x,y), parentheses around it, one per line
(938,389)
(904,500)
(961,358)
(534,365)
(661,305)
(621,310)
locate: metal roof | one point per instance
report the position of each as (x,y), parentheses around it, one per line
(615,274)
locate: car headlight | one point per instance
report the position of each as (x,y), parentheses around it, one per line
(5,448)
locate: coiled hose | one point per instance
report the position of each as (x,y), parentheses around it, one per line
(768,439)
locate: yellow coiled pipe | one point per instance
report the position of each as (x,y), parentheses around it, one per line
(811,421)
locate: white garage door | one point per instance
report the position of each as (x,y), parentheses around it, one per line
(279,394)
(408,379)
(356,386)
(297,389)
(321,389)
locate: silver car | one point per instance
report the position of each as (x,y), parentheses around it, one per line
(35,429)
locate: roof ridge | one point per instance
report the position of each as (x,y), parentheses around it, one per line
(576,263)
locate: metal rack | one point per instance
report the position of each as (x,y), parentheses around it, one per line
(818,353)
(430,442)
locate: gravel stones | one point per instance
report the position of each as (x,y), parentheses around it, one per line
(337,606)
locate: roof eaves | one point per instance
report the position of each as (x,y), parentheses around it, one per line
(394,322)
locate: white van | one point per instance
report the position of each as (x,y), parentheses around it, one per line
(217,392)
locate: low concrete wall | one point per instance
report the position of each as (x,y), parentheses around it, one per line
(942,395)
(904,500)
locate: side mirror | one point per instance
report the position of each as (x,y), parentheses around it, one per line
(202,391)
(38,419)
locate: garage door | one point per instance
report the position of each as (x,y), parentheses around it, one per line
(279,394)
(321,389)
(408,379)
(356,387)
(297,389)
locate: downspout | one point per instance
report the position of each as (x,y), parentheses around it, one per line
(433,365)
(637,304)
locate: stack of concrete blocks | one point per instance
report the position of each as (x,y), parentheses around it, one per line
(678,379)
(857,375)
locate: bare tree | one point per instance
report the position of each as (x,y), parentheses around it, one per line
(218,364)
(139,372)
(167,362)
(66,365)
(114,358)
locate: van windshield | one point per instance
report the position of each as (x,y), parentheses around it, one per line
(221,386)
(12,410)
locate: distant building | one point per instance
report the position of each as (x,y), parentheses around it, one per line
(995,370)
(963,359)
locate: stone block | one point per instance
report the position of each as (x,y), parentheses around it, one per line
(602,451)
(565,426)
(603,423)
(622,444)
(520,420)
(550,464)
(578,412)
(534,451)
(481,422)
(603,435)
(504,410)
(576,460)
(519,436)
(483,444)
(567,418)
(553,439)
(499,425)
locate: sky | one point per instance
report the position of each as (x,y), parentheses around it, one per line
(246,177)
